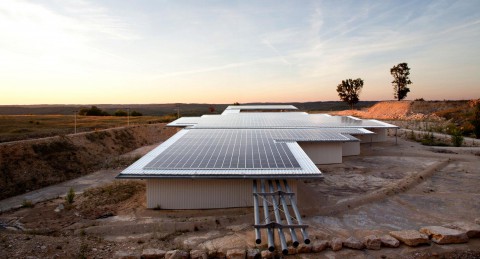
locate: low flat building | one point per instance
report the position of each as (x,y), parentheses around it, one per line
(213,160)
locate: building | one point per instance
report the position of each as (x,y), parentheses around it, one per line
(212,161)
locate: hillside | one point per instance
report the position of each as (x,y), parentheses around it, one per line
(31,164)
(409,110)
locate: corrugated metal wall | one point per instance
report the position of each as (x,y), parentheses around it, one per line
(201,193)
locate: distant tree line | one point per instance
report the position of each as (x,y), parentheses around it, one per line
(95,111)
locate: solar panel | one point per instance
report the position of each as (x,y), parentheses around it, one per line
(285,121)
(225,149)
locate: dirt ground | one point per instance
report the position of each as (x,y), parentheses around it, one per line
(388,187)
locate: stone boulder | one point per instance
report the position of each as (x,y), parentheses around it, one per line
(198,254)
(372,242)
(319,246)
(291,250)
(443,235)
(151,253)
(472,230)
(267,254)
(353,243)
(389,241)
(126,255)
(176,254)
(336,244)
(304,249)
(236,254)
(253,254)
(410,237)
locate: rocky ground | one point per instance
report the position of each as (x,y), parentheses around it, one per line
(388,188)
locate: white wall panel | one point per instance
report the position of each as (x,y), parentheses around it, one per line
(323,152)
(351,148)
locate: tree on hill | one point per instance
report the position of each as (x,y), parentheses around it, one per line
(120,113)
(93,111)
(211,109)
(136,114)
(400,81)
(349,91)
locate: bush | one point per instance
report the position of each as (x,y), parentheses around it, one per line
(70,196)
(27,204)
(456,135)
(136,114)
(120,113)
(93,111)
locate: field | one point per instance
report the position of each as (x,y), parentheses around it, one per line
(18,127)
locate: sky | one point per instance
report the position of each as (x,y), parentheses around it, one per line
(125,52)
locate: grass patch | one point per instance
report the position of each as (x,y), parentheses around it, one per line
(19,127)
(27,204)
(110,194)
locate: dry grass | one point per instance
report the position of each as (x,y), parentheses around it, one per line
(18,127)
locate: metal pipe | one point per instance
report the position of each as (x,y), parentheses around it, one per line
(258,235)
(283,241)
(271,245)
(287,215)
(297,214)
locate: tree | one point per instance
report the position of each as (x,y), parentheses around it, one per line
(349,90)
(93,111)
(120,113)
(211,109)
(400,81)
(136,114)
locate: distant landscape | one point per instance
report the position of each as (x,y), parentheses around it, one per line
(186,109)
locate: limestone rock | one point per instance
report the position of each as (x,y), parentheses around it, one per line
(253,254)
(410,237)
(443,235)
(319,246)
(236,254)
(353,243)
(151,253)
(336,243)
(267,254)
(389,241)
(291,250)
(125,255)
(198,254)
(304,249)
(372,242)
(477,220)
(472,230)
(177,254)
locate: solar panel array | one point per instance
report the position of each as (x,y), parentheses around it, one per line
(284,120)
(225,149)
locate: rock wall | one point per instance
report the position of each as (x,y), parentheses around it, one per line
(32,164)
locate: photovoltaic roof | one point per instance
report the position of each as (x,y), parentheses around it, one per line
(247,145)
(262,107)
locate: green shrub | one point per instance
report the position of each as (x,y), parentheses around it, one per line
(27,204)
(70,196)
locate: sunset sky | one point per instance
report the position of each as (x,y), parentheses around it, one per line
(87,52)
